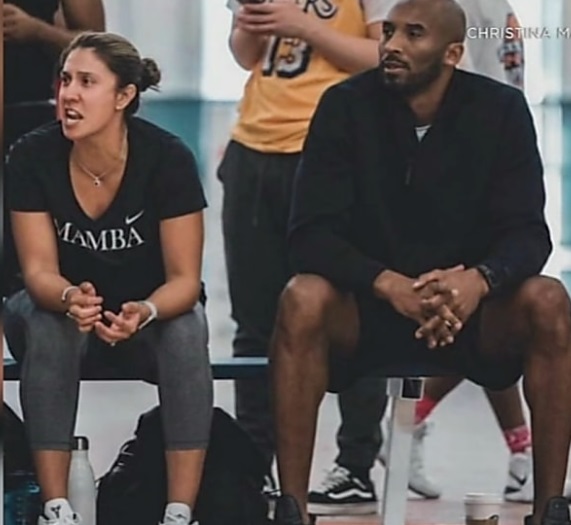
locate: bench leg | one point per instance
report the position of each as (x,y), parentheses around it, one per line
(403,393)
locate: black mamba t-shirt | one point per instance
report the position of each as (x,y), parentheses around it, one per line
(120,251)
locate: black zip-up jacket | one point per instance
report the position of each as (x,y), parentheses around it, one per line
(369,196)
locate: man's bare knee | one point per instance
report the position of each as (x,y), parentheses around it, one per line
(548,308)
(545,299)
(302,312)
(305,300)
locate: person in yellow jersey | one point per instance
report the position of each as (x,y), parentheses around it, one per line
(295,51)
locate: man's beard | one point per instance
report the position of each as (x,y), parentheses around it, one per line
(416,83)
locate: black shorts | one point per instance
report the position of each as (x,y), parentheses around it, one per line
(386,340)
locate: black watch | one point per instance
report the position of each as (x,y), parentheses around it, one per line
(490,276)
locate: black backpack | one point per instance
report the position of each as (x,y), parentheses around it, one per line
(134,490)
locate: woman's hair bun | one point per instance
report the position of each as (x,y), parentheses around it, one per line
(151,74)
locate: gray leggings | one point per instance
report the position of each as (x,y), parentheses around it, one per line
(53,353)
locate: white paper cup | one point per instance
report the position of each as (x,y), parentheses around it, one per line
(482,509)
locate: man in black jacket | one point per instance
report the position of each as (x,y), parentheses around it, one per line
(418,235)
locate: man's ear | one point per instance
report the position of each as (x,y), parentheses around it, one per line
(453,54)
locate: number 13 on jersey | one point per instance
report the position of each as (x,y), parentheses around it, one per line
(286,57)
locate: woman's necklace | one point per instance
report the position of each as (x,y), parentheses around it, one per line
(98,178)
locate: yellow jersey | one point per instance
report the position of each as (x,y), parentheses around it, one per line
(284,88)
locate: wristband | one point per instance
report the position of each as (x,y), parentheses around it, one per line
(154,313)
(66,292)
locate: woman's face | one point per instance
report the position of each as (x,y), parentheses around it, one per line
(88,98)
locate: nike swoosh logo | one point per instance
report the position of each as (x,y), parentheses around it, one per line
(131,220)
(521,481)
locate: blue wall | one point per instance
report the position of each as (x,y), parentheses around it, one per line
(179,116)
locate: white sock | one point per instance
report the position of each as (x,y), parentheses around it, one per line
(57,508)
(175,510)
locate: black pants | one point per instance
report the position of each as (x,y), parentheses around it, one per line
(257,194)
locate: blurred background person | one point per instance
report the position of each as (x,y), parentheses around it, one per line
(32,41)
(295,51)
(35,31)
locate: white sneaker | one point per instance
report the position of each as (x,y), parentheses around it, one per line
(418,481)
(179,519)
(170,522)
(272,493)
(58,512)
(66,520)
(519,487)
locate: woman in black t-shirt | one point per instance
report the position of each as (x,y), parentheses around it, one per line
(107,217)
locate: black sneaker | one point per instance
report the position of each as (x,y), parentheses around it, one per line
(556,513)
(343,493)
(288,513)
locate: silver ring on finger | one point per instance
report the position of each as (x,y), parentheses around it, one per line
(70,315)
(112,343)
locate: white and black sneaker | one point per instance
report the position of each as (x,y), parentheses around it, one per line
(178,519)
(343,493)
(58,512)
(519,486)
(65,520)
(271,492)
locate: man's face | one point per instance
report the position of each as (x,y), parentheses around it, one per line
(412,50)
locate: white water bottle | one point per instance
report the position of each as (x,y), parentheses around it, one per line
(81,484)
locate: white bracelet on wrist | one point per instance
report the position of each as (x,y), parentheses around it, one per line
(66,292)
(154,313)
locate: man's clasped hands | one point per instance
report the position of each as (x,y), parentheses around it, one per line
(440,301)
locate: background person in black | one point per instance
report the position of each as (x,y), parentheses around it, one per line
(32,43)
(107,218)
(376,213)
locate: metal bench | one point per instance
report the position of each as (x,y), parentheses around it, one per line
(405,385)
(222,368)
(404,388)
